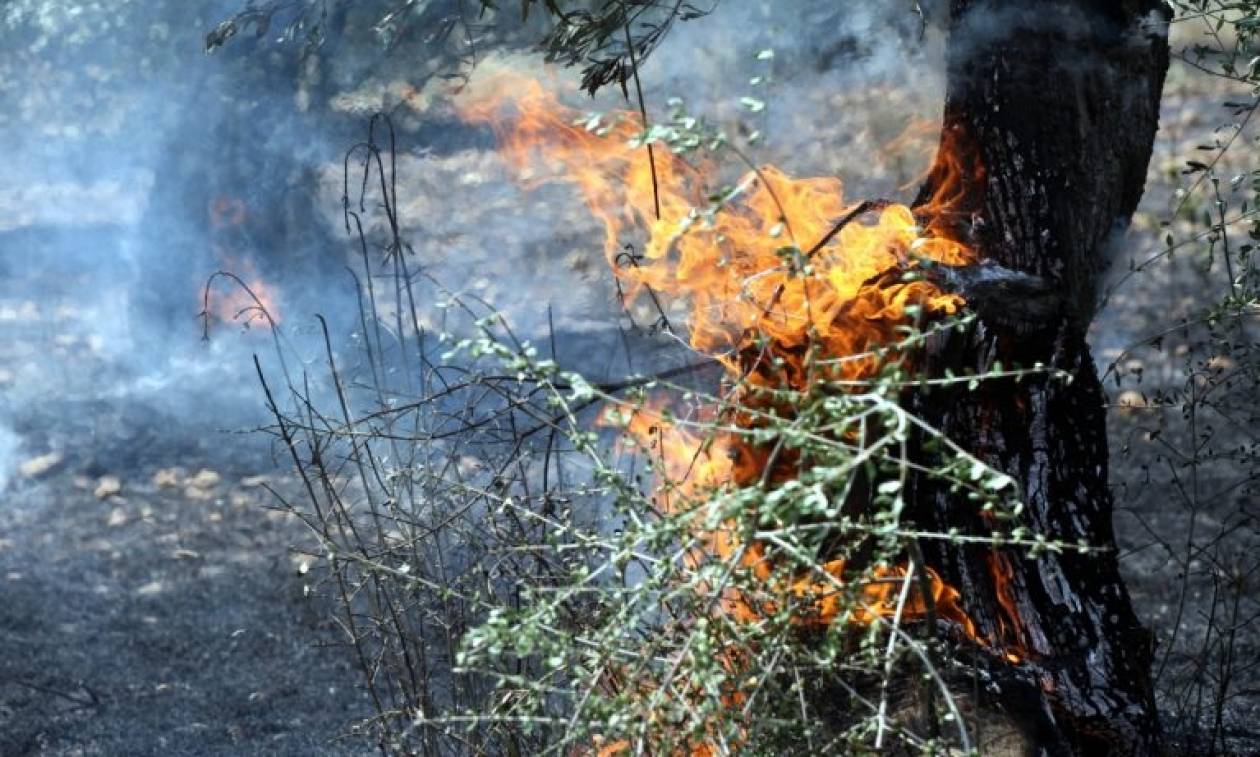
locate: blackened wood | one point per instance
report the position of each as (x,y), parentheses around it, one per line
(1052,106)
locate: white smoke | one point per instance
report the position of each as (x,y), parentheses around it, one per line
(10,444)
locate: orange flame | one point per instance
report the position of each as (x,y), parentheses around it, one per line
(774,291)
(231,302)
(250,298)
(690,467)
(735,267)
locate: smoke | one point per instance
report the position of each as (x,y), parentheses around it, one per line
(840,82)
(138,166)
(9,447)
(120,137)
(839,90)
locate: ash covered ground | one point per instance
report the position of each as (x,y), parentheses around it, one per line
(151,604)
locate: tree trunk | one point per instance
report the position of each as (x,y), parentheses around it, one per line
(1051,107)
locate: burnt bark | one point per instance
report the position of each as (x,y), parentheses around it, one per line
(1051,107)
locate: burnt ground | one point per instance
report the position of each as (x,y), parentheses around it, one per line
(1182,424)
(168,617)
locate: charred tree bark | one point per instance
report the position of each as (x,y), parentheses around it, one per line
(1052,108)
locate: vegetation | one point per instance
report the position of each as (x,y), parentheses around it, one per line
(513,578)
(1185,428)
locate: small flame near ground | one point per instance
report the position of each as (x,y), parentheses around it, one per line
(237,293)
(772,291)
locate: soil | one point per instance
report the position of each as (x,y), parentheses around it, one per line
(169,617)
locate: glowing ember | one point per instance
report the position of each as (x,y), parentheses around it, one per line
(244,297)
(692,468)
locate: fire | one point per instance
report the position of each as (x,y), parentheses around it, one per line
(1008,626)
(690,468)
(246,297)
(782,292)
(736,267)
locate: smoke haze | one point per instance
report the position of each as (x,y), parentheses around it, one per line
(138,166)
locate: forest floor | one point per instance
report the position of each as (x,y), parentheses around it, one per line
(149,603)
(1182,419)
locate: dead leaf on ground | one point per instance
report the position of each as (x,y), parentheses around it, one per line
(205,479)
(107,486)
(151,588)
(169,478)
(1130,400)
(39,466)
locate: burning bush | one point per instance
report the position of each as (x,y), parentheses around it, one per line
(510,579)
